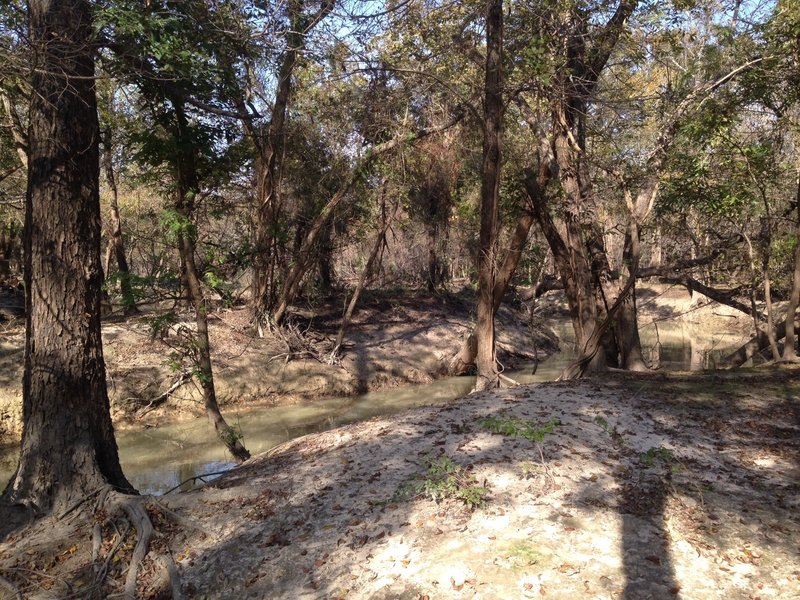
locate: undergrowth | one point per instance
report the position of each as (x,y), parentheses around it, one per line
(444,478)
(519,427)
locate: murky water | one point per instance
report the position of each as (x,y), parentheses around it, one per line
(159,459)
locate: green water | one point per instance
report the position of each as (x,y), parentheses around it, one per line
(160,458)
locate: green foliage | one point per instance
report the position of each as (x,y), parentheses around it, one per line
(444,478)
(519,427)
(231,435)
(200,374)
(159,325)
(650,457)
(173,362)
(177,225)
(524,554)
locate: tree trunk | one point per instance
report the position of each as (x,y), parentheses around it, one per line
(187,190)
(270,146)
(304,256)
(116,244)
(630,346)
(757,344)
(362,280)
(433,259)
(68,445)
(790,343)
(15,126)
(490,193)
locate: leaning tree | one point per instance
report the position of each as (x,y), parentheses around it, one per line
(68,445)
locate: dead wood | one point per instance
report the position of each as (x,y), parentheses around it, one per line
(154,403)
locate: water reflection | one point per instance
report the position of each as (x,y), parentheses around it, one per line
(159,459)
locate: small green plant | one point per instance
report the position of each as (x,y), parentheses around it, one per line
(444,478)
(231,435)
(173,362)
(528,468)
(524,554)
(519,427)
(611,430)
(656,453)
(159,325)
(603,422)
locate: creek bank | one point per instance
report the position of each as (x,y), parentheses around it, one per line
(393,340)
(647,486)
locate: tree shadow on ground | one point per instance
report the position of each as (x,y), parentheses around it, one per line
(711,512)
(321,519)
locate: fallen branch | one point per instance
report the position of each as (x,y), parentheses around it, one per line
(193,479)
(184,378)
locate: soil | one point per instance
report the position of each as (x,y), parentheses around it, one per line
(625,487)
(622,486)
(393,340)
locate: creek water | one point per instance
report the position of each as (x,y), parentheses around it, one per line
(162,458)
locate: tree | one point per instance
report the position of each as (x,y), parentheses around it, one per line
(490,195)
(180,146)
(68,444)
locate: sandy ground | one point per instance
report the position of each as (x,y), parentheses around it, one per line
(656,486)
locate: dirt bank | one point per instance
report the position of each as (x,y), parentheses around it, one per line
(393,340)
(656,486)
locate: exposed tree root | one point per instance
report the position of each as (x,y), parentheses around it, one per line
(135,517)
(170,577)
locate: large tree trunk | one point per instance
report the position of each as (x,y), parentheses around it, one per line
(116,244)
(630,346)
(535,186)
(490,193)
(68,446)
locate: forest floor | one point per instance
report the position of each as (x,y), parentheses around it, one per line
(622,487)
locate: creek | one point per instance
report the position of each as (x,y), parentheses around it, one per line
(159,459)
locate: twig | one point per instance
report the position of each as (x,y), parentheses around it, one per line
(184,378)
(195,478)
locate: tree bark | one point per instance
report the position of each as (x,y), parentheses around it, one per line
(790,343)
(188,185)
(485,360)
(116,244)
(68,445)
